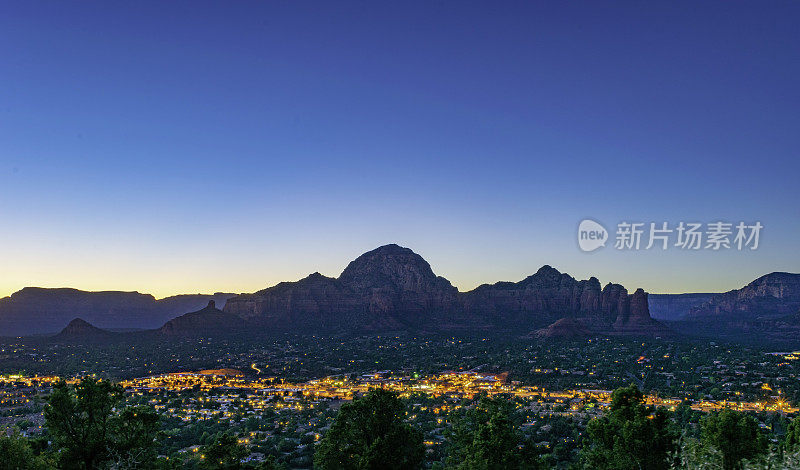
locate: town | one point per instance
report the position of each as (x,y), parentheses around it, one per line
(271,413)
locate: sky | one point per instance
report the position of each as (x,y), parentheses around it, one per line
(177,147)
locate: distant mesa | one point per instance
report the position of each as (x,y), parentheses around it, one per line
(35,310)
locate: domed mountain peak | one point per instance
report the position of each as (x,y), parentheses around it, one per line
(78,324)
(393,267)
(546,277)
(547,269)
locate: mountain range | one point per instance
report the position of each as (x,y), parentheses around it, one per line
(393,289)
(36,310)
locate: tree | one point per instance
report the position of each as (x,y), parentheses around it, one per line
(792,440)
(17,454)
(270,464)
(78,419)
(735,435)
(631,435)
(132,442)
(487,437)
(224,453)
(369,433)
(89,432)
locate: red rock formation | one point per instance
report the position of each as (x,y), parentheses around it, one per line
(771,295)
(208,321)
(638,322)
(394,288)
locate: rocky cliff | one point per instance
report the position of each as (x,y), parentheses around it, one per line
(772,295)
(392,287)
(766,310)
(389,288)
(392,281)
(637,321)
(550,295)
(208,321)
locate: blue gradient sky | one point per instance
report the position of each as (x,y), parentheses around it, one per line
(172,147)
